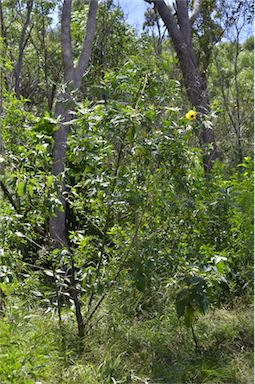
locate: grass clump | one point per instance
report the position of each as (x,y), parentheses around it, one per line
(128,350)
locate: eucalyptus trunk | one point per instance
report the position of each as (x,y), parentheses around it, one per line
(180,31)
(65,105)
(63,112)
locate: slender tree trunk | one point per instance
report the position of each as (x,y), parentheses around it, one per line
(22,45)
(43,39)
(65,105)
(234,116)
(2,295)
(179,29)
(237,99)
(2,31)
(4,48)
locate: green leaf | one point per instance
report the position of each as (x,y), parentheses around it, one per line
(2,159)
(48,272)
(221,267)
(30,189)
(49,181)
(20,188)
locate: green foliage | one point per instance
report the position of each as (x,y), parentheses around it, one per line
(125,221)
(32,348)
(153,244)
(231,75)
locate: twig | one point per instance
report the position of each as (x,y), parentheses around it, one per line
(118,272)
(8,195)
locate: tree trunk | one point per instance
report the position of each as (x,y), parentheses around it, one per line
(65,105)
(180,32)
(198,97)
(58,222)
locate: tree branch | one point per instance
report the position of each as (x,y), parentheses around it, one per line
(28,37)
(66,44)
(115,278)
(22,47)
(170,22)
(195,11)
(8,195)
(87,43)
(183,19)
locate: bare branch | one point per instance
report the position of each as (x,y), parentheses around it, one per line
(87,43)
(195,11)
(22,47)
(170,22)
(66,44)
(28,37)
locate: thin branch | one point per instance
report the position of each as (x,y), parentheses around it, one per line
(169,21)
(107,221)
(2,28)
(114,280)
(86,49)
(8,195)
(22,40)
(224,96)
(66,44)
(28,36)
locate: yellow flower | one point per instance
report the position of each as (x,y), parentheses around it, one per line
(191,115)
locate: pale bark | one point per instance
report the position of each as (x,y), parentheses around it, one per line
(195,11)
(65,105)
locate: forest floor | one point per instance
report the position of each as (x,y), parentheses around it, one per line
(120,349)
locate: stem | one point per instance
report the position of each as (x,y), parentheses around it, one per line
(134,238)
(58,299)
(106,226)
(8,195)
(194,336)
(77,304)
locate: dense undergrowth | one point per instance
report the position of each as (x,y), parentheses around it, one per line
(154,348)
(157,264)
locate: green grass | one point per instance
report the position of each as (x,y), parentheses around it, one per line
(121,349)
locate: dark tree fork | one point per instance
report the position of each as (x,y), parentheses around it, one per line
(180,31)
(72,78)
